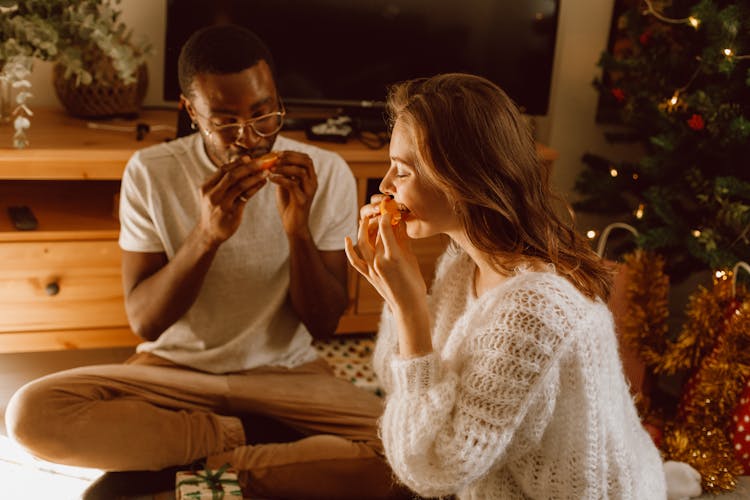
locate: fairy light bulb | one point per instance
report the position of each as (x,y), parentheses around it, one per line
(639,211)
(635,177)
(728,52)
(721,275)
(694,21)
(696,233)
(674,100)
(613,172)
(591,234)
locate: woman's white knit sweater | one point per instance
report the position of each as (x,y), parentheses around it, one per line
(523,397)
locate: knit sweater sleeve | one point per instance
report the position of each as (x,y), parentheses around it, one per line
(447,422)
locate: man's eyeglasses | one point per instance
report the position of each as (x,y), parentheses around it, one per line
(231,129)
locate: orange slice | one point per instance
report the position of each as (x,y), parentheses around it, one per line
(387,205)
(268,160)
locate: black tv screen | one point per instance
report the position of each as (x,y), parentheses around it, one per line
(347,52)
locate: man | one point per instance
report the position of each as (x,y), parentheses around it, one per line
(230,268)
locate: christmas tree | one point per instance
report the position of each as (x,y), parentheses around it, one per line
(677,77)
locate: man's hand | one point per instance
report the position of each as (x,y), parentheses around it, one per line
(224,196)
(297,183)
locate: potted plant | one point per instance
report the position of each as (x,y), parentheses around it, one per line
(99,69)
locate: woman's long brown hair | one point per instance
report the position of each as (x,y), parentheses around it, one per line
(474,145)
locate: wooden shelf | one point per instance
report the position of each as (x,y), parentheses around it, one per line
(60,284)
(67,339)
(63,147)
(66,210)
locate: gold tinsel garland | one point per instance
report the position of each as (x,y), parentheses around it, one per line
(714,344)
(713,390)
(644,326)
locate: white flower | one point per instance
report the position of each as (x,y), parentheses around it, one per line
(21,123)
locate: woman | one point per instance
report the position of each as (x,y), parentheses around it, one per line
(504,381)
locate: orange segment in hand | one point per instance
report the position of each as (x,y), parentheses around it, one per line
(268,160)
(387,205)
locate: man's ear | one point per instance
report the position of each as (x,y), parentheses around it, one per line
(185,103)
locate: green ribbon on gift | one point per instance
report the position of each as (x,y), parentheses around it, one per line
(213,480)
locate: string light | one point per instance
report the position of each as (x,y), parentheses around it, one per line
(635,177)
(695,23)
(674,102)
(721,275)
(613,172)
(692,20)
(696,233)
(591,234)
(729,53)
(639,211)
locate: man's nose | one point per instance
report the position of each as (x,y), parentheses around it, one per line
(247,136)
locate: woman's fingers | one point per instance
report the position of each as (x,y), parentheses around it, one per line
(355,259)
(368,211)
(387,236)
(377,198)
(367,238)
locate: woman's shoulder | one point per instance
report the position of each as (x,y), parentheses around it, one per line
(542,294)
(546,282)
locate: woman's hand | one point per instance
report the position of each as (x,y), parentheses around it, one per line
(383,255)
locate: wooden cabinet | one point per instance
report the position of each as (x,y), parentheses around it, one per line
(60,285)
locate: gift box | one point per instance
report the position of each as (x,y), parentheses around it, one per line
(219,484)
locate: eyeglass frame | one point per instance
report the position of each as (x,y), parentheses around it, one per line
(243,124)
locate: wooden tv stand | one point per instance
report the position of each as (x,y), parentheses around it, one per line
(60,285)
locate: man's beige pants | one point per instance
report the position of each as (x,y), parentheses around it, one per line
(149,413)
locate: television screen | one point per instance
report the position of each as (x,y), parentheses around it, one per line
(346,52)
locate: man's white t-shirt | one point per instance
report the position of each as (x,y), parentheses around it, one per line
(242,317)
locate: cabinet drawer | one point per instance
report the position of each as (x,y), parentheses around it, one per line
(60,285)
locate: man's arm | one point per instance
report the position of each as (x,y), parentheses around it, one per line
(317,286)
(317,279)
(158,291)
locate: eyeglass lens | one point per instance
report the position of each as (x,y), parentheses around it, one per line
(262,126)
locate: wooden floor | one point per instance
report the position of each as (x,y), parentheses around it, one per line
(26,478)
(19,368)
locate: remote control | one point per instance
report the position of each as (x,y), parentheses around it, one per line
(23,218)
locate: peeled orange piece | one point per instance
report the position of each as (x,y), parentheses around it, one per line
(268,160)
(387,205)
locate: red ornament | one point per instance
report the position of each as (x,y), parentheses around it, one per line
(739,430)
(618,94)
(696,122)
(645,37)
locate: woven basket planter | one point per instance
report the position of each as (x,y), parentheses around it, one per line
(103,98)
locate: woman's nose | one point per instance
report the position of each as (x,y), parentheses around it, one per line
(386,186)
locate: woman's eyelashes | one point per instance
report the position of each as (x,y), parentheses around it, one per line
(401,170)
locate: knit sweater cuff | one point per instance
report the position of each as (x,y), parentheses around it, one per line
(415,375)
